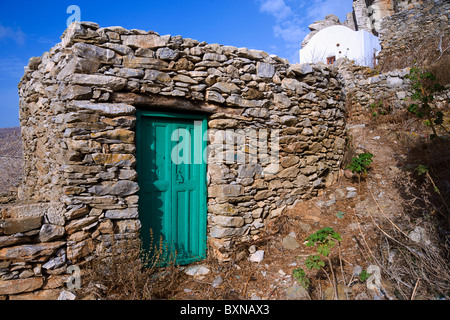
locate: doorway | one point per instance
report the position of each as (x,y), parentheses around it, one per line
(172,179)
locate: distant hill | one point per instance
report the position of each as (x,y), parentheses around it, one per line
(5,132)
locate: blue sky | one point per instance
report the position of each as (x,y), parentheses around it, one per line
(29,29)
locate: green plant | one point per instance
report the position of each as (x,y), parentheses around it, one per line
(340,214)
(361,164)
(363,276)
(314,262)
(377,108)
(324,239)
(424,86)
(300,275)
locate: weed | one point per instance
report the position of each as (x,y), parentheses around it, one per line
(363,276)
(424,85)
(360,165)
(300,275)
(325,240)
(340,214)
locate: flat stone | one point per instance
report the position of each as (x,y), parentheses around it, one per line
(28,211)
(91,52)
(105,109)
(289,120)
(290,243)
(77,212)
(225,191)
(249,170)
(293,85)
(302,69)
(291,172)
(76,92)
(12,287)
(123,135)
(150,41)
(166,54)
(41,295)
(289,161)
(265,70)
(257,257)
(13,226)
(237,101)
(55,263)
(30,252)
(77,225)
(120,160)
(215,57)
(144,62)
(217,281)
(224,209)
(130,73)
(120,188)
(83,146)
(128,226)
(66,296)
(223,232)
(110,82)
(283,101)
(351,192)
(80,250)
(213,96)
(50,232)
(185,79)
(296,292)
(227,221)
(130,213)
(223,124)
(226,87)
(394,82)
(7,241)
(80,66)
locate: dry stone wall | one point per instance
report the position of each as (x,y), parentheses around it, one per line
(369,92)
(404,34)
(77,110)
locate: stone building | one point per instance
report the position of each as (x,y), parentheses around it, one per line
(126,131)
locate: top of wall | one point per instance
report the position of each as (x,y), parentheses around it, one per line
(114,59)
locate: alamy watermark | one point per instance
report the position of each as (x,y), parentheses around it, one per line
(75,14)
(74,281)
(229,146)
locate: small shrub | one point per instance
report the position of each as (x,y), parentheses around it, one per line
(361,163)
(363,276)
(325,240)
(340,214)
(424,85)
(300,275)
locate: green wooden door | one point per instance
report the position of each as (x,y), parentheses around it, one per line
(172,178)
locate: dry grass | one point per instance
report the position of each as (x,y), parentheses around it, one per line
(426,260)
(433,52)
(418,269)
(125,271)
